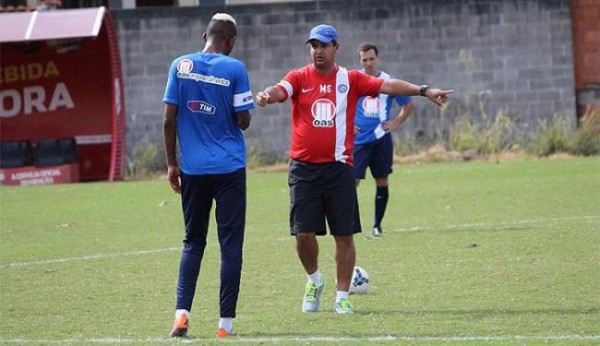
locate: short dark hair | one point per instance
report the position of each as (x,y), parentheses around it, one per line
(367,46)
(223,29)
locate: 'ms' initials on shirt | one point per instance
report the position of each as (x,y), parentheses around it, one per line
(325,88)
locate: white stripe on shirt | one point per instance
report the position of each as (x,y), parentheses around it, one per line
(341,116)
(242,99)
(288,87)
(379,131)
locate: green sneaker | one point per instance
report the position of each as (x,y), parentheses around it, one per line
(312,294)
(343,306)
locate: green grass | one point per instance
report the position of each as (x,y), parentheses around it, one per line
(473,253)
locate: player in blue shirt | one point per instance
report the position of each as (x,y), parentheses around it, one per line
(373,145)
(208,99)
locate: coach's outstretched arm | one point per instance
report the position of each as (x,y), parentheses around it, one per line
(271,94)
(399,87)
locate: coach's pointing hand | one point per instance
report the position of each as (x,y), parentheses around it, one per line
(271,94)
(438,96)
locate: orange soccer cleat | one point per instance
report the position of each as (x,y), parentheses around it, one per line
(180,326)
(222,333)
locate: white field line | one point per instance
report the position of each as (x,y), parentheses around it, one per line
(91,257)
(497,226)
(302,340)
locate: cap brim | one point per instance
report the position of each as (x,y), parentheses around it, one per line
(320,38)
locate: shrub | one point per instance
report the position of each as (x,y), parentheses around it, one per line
(404,146)
(587,139)
(464,135)
(488,135)
(553,137)
(147,158)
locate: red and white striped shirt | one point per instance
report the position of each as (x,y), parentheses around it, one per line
(323,110)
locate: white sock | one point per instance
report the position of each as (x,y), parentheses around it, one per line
(315,277)
(341,295)
(226,323)
(180,312)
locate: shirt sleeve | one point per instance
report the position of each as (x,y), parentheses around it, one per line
(403,100)
(366,85)
(289,83)
(242,95)
(171,90)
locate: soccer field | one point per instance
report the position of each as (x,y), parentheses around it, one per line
(473,253)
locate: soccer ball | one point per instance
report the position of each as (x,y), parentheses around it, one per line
(360,281)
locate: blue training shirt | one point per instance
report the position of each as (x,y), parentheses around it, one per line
(209,89)
(371,112)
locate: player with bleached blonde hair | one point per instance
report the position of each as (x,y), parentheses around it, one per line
(207,106)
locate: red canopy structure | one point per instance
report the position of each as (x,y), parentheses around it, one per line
(62,112)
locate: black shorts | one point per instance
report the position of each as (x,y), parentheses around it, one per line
(320,192)
(378,156)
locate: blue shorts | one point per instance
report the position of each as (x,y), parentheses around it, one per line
(228,191)
(378,156)
(321,192)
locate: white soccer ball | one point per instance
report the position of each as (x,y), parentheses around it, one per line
(360,281)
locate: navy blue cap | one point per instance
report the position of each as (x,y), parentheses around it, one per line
(324,33)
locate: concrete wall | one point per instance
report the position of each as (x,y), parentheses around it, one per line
(515,55)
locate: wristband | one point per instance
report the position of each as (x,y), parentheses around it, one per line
(423,89)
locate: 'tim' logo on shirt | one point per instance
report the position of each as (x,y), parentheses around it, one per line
(323,112)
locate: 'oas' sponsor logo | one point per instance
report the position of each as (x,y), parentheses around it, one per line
(371,106)
(185,66)
(201,107)
(323,112)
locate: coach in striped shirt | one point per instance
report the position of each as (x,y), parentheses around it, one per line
(322,185)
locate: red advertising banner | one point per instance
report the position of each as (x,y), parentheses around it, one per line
(40,175)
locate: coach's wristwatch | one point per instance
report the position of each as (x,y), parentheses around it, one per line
(423,89)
